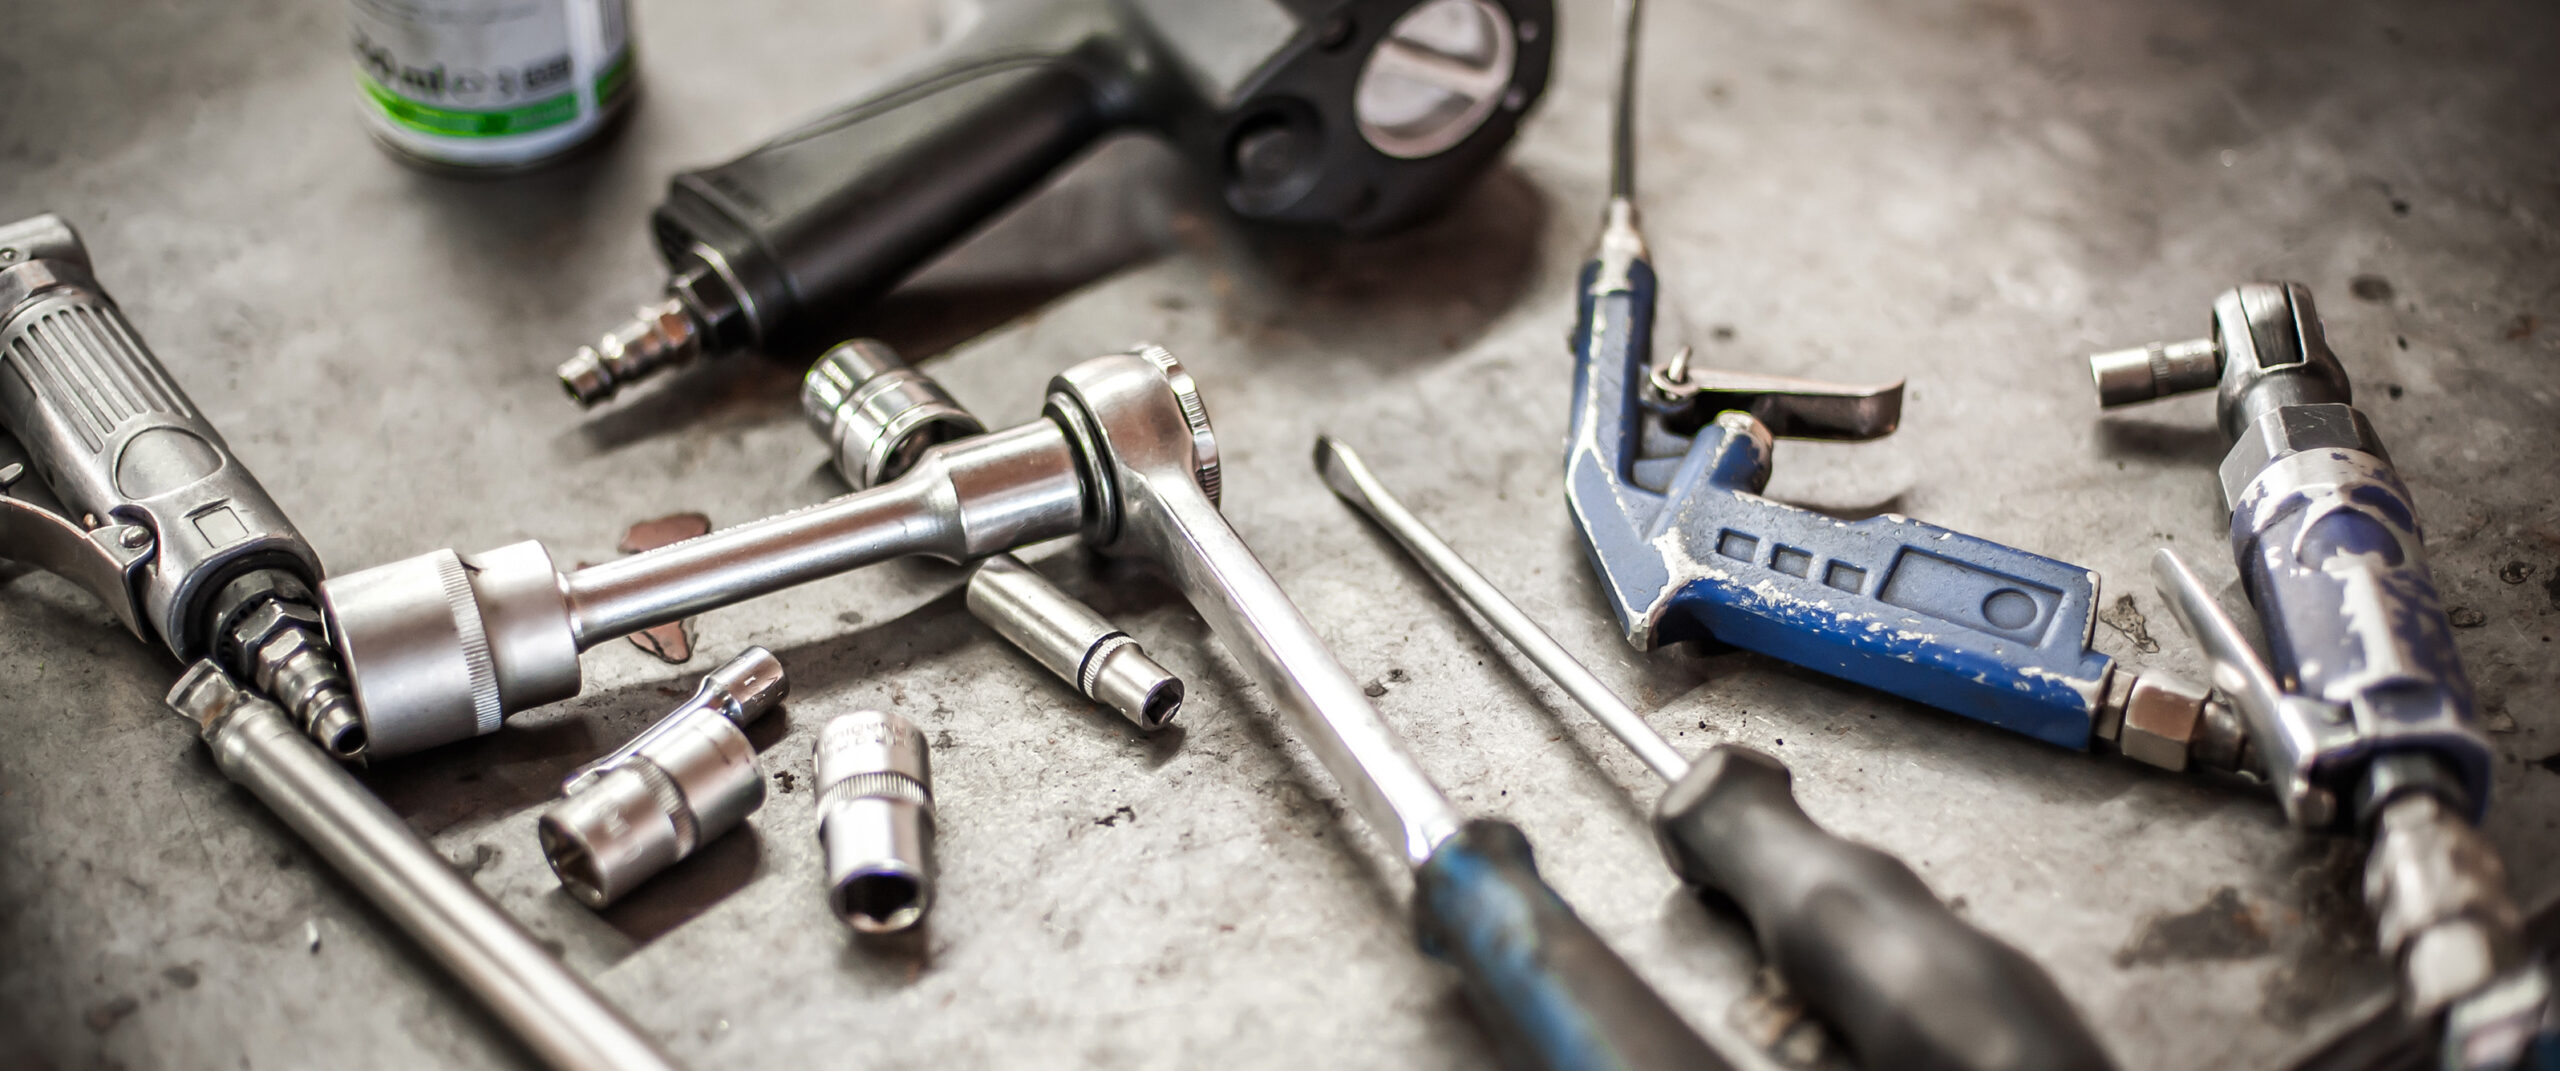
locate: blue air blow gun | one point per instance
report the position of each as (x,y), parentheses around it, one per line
(1662,473)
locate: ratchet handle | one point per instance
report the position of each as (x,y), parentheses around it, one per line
(119,443)
(1857,935)
(839,210)
(1553,992)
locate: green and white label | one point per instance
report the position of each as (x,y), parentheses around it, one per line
(489,83)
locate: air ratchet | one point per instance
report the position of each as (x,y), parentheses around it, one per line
(2363,716)
(151,513)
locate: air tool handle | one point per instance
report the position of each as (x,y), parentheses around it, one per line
(119,443)
(838,210)
(1853,930)
(1558,992)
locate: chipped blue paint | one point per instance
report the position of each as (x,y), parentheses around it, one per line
(1686,549)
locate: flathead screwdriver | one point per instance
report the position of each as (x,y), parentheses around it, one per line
(1851,929)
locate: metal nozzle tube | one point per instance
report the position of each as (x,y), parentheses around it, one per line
(2158,370)
(680,784)
(1077,644)
(558,1017)
(875,821)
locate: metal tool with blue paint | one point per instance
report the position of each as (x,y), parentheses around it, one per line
(2364,722)
(1663,471)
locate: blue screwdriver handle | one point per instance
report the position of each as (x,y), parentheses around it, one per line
(1556,996)
(1688,550)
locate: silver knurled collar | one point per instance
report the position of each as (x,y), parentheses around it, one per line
(478,666)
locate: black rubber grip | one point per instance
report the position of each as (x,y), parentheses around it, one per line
(1858,936)
(834,213)
(1554,994)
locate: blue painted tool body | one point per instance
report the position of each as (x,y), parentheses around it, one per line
(1688,549)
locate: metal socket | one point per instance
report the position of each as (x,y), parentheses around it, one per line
(442,646)
(877,413)
(2158,370)
(682,783)
(875,821)
(1074,642)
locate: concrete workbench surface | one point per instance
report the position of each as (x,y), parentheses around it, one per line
(1969,193)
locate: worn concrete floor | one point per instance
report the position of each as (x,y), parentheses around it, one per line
(1969,193)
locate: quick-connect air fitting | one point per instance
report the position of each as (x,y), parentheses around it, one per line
(677,786)
(875,821)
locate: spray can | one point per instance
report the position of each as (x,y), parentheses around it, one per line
(490,85)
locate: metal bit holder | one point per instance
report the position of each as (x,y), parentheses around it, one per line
(2364,720)
(680,784)
(875,821)
(878,414)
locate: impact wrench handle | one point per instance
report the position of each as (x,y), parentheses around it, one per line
(1356,117)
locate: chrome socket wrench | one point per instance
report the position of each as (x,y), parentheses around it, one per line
(680,784)
(878,414)
(441,647)
(875,821)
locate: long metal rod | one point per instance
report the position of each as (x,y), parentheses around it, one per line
(1350,477)
(525,986)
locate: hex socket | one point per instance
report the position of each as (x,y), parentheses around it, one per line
(1074,642)
(877,413)
(875,821)
(2124,377)
(677,786)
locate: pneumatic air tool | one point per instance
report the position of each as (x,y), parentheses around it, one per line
(2365,717)
(149,509)
(142,503)
(1354,116)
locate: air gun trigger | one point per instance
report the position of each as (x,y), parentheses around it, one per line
(1791,408)
(100,562)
